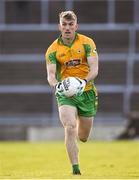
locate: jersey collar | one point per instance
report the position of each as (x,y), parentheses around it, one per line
(60,41)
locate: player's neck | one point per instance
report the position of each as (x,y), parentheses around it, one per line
(68,41)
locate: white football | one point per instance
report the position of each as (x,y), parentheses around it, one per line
(70,86)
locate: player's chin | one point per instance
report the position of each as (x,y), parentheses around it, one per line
(68,35)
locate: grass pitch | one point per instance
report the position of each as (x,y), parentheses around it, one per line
(48,160)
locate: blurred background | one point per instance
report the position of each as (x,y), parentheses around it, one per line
(28,109)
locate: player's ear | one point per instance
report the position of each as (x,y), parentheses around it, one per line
(77,26)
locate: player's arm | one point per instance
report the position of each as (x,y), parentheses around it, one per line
(93,66)
(51,61)
(51,74)
(92,59)
(51,77)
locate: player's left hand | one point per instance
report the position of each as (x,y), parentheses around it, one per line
(81,88)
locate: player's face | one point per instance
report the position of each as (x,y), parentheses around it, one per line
(68,28)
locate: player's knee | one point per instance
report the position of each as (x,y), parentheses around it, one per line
(70,127)
(83,139)
(83,136)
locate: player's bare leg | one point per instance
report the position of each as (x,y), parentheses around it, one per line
(68,117)
(84,127)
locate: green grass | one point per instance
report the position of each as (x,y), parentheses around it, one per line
(48,160)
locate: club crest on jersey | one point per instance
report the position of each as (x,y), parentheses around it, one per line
(74,62)
(95,50)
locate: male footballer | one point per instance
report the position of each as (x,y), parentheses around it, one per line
(73,55)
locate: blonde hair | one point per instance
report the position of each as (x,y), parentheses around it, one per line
(68,15)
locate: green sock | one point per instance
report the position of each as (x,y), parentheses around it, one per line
(75,167)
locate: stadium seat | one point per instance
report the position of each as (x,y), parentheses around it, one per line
(137,41)
(21,73)
(15,12)
(55,7)
(110,41)
(1,40)
(110,103)
(124,11)
(136,73)
(33,42)
(112,72)
(25,103)
(19,42)
(135,101)
(86,11)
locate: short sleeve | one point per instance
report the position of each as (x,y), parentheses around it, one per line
(90,48)
(50,56)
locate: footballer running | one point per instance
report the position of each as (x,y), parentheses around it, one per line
(73,55)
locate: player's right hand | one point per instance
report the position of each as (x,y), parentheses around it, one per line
(59,91)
